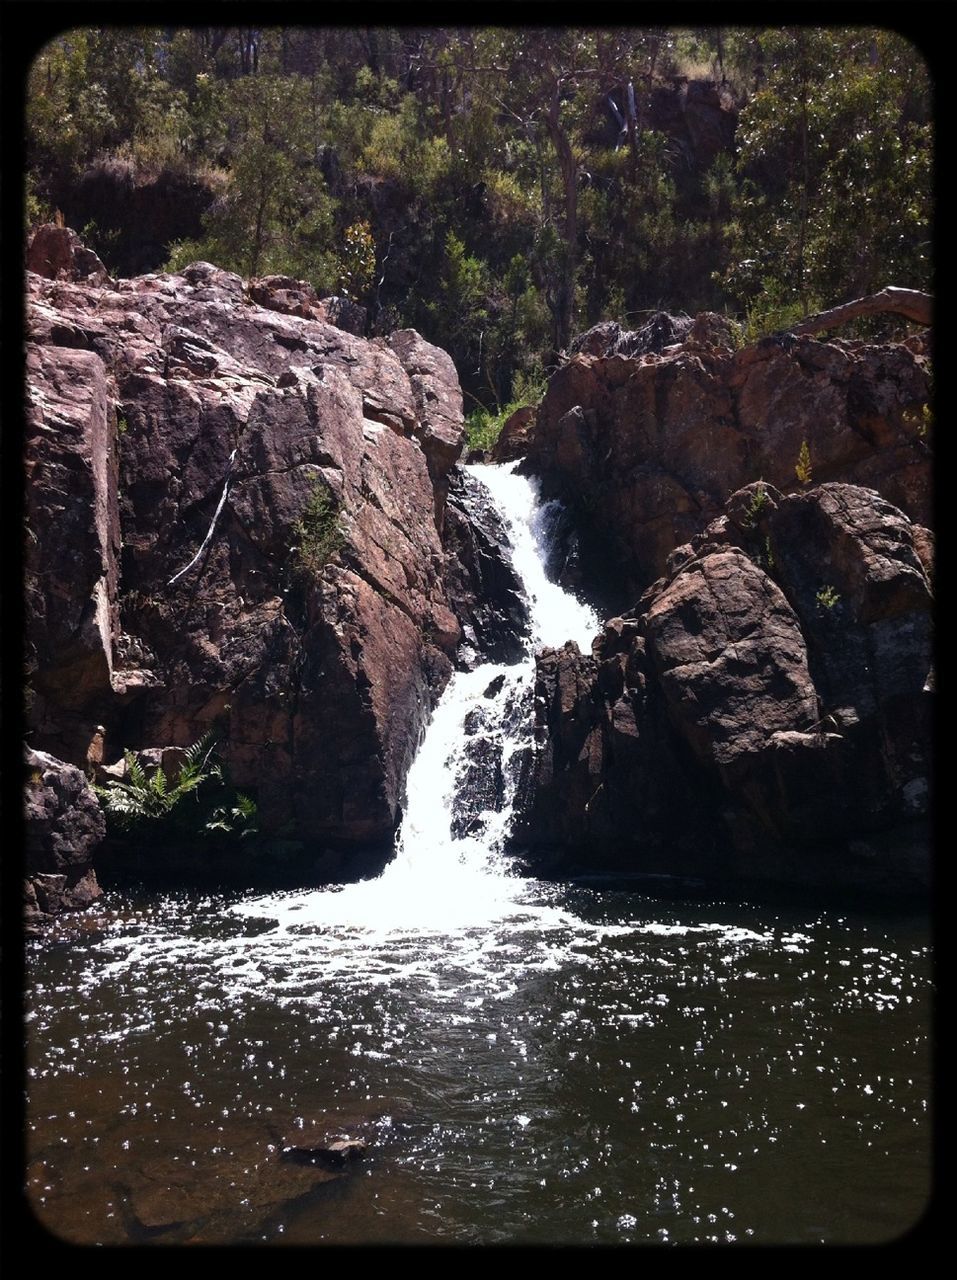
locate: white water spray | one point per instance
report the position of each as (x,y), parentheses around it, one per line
(449,872)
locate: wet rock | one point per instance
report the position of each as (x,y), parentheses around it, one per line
(333,1153)
(64,826)
(495,687)
(483,588)
(176,1197)
(333,1140)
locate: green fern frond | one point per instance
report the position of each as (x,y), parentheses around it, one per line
(134,771)
(246,806)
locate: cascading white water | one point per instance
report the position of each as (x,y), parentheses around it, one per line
(444,877)
(489,704)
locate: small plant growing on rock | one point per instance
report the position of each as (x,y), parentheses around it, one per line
(151,797)
(358,262)
(234,819)
(827,597)
(317,532)
(759,500)
(922,420)
(803,468)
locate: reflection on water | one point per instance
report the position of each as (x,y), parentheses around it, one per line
(596,1068)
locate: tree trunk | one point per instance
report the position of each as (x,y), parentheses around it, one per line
(565,311)
(910,303)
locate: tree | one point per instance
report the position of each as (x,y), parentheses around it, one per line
(276,213)
(835,151)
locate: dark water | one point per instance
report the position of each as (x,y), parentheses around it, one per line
(587,1068)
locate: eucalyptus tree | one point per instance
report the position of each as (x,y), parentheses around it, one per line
(835,158)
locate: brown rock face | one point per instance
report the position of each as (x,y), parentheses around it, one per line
(72,542)
(764,715)
(646,448)
(59,254)
(63,827)
(725,642)
(281,489)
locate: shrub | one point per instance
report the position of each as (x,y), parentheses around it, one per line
(484,426)
(802,468)
(151,797)
(827,597)
(317,533)
(759,500)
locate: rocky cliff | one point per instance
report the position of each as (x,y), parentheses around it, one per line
(762,713)
(244,519)
(645,435)
(235,522)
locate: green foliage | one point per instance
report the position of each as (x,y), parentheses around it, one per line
(316,532)
(148,798)
(476,184)
(358,262)
(770,313)
(275,214)
(827,597)
(235,819)
(834,157)
(802,468)
(150,806)
(920,420)
(759,500)
(484,426)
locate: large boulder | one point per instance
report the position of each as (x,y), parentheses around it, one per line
(645,448)
(281,489)
(59,254)
(764,713)
(63,826)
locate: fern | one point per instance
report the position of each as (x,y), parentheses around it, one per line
(150,797)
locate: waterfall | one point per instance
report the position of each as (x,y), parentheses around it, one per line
(449,871)
(461,787)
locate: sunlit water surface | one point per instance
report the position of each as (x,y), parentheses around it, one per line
(528,1063)
(599,1068)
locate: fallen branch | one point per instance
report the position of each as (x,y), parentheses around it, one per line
(209,534)
(910,303)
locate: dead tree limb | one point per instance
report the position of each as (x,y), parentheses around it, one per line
(911,303)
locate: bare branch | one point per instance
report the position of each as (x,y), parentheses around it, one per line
(910,303)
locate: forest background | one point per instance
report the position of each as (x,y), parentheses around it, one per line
(498,189)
